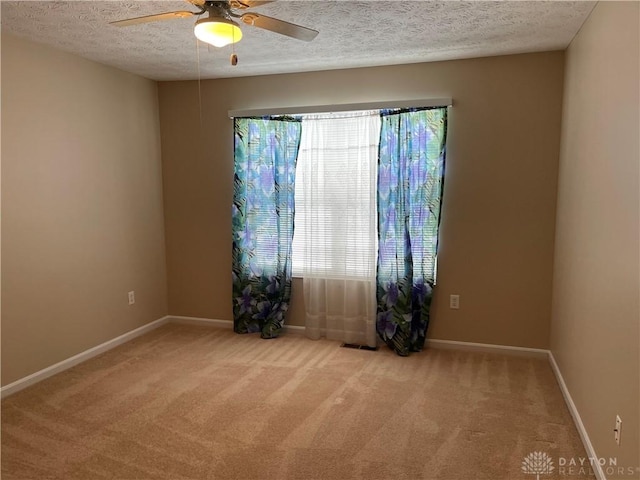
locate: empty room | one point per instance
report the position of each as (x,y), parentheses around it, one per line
(301,240)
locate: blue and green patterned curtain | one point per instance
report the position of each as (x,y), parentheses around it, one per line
(266,150)
(410,177)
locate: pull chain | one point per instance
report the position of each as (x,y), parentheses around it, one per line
(234,58)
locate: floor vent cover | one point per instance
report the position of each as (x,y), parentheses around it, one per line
(359,347)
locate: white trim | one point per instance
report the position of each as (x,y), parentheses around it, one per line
(113,343)
(295,329)
(537,353)
(488,348)
(584,436)
(212,322)
(444,344)
(79,358)
(346,107)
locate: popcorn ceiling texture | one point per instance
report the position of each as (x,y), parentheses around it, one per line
(352,34)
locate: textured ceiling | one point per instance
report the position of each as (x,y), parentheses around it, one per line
(352,34)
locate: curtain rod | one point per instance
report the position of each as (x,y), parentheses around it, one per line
(346,107)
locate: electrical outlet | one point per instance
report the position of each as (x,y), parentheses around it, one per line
(618,430)
(454,301)
(132,297)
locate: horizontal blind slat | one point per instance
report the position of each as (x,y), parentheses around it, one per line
(335,215)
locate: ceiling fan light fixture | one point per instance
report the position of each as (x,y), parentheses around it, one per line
(217,31)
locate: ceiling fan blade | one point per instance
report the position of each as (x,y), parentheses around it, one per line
(197,3)
(153,18)
(246,3)
(279,26)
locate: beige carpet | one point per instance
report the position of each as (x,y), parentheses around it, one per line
(188,402)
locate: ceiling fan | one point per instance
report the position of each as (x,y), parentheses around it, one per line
(219,28)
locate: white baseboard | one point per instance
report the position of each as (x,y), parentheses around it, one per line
(536,353)
(582,431)
(211,322)
(433,343)
(488,348)
(79,358)
(108,345)
(222,323)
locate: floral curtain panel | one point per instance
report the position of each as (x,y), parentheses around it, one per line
(410,176)
(265,154)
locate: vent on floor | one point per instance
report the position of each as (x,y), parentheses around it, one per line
(359,347)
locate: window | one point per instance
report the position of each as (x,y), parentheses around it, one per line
(335,194)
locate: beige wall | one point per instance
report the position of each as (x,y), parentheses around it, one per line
(499,196)
(595,324)
(82,219)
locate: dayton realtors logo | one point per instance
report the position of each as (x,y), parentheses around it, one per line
(541,463)
(537,463)
(588,466)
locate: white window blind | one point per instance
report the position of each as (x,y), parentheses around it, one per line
(335,217)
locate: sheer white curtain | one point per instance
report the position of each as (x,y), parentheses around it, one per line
(334,246)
